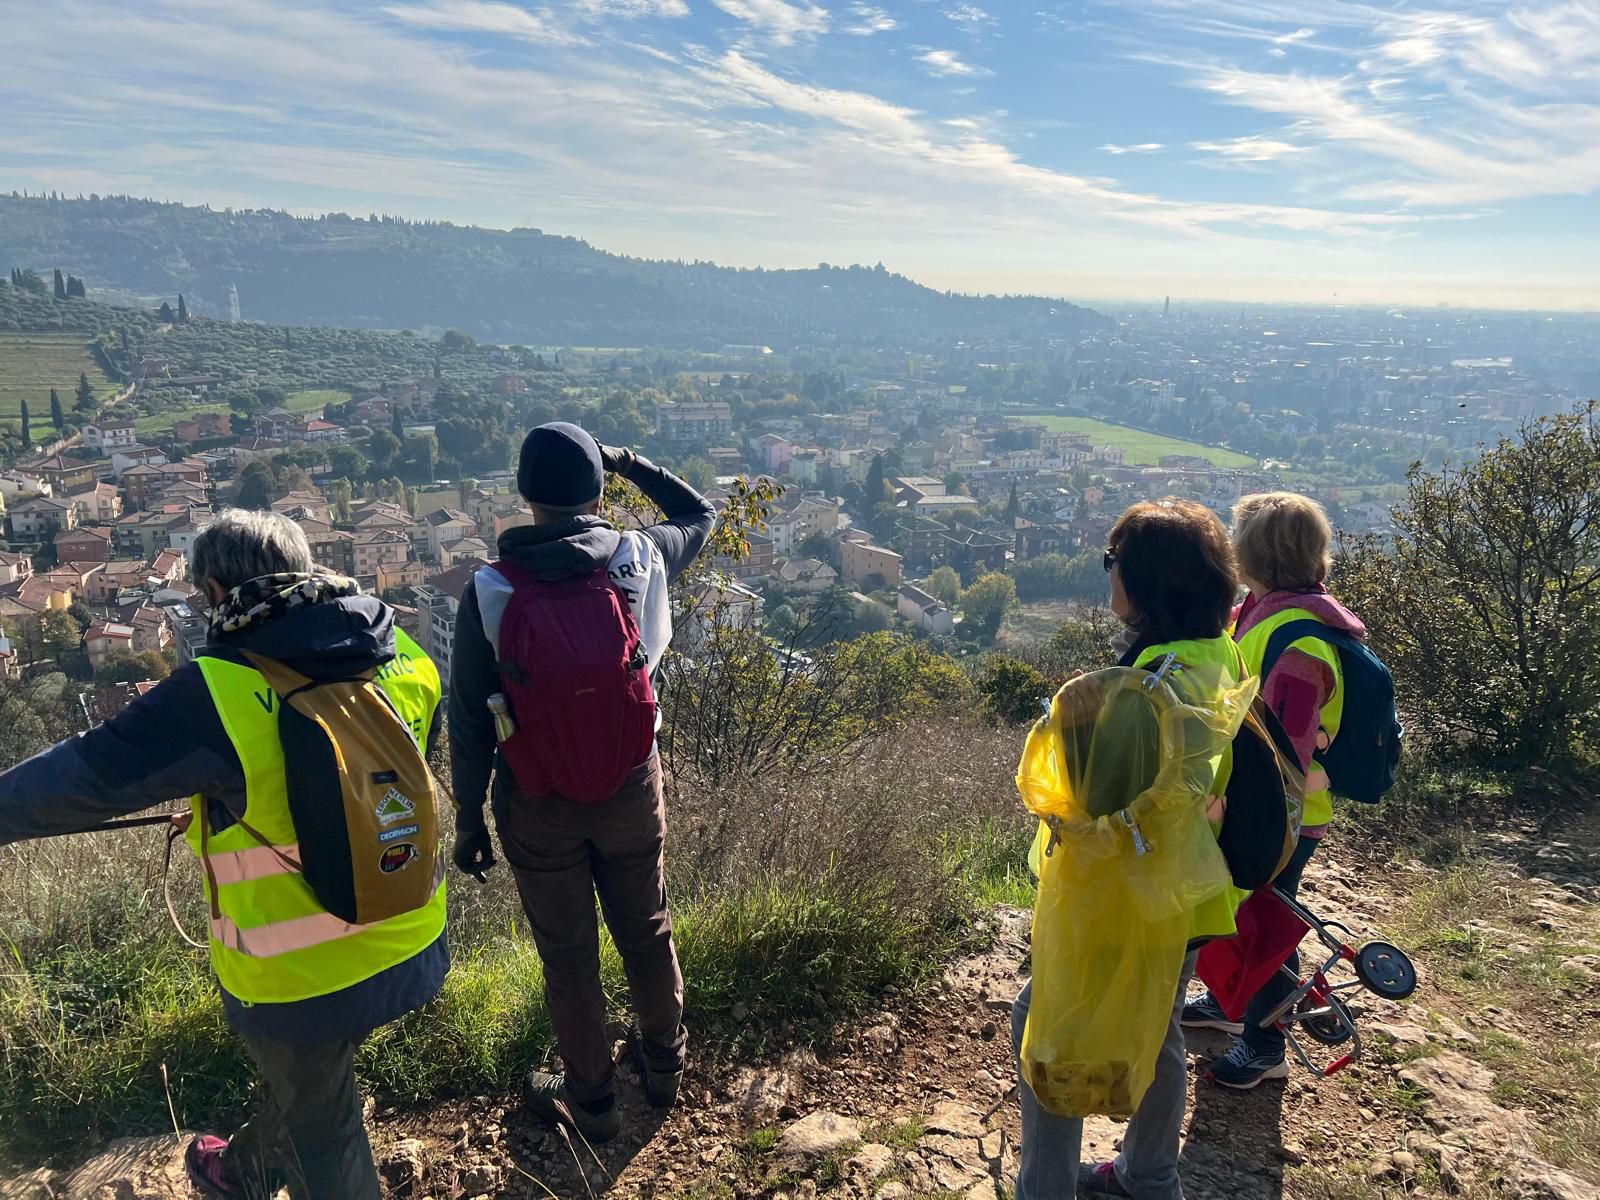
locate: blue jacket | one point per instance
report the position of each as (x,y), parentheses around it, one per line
(170,743)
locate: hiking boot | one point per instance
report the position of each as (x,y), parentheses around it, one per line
(1100,1179)
(1244,1067)
(202,1162)
(546,1096)
(660,1087)
(1205,1013)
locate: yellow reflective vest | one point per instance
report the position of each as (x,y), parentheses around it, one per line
(1319,800)
(270,941)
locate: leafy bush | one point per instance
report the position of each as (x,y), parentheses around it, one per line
(986,603)
(1486,602)
(1013,692)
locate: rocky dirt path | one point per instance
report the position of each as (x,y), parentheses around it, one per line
(1486,1084)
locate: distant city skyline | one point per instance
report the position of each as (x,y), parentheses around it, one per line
(1320,151)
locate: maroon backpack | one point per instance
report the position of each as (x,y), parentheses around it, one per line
(577,679)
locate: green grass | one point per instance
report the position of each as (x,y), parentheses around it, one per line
(97,993)
(1141,447)
(33,363)
(296,402)
(162,422)
(314,398)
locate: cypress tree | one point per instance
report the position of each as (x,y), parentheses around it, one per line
(165,312)
(85,395)
(1013,506)
(61,286)
(183,309)
(57,417)
(27,434)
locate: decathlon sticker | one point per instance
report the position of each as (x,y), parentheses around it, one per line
(397,858)
(395,806)
(394,835)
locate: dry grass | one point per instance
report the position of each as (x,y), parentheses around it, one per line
(802,897)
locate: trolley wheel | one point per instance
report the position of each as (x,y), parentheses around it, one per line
(1328,1030)
(1386,970)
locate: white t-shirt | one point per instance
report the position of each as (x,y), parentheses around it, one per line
(636,567)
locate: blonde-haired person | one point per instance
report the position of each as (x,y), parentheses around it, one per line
(1283,543)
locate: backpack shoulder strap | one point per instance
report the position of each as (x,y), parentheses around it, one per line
(1289,633)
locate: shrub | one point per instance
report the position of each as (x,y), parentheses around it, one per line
(1013,692)
(986,603)
(1486,603)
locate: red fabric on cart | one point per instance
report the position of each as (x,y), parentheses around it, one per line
(1233,969)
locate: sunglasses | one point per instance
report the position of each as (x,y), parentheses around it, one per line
(1109,561)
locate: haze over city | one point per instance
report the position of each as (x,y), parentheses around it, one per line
(1322,151)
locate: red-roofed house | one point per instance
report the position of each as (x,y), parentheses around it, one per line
(105,638)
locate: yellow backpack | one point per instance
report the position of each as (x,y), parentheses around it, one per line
(363,801)
(1119,772)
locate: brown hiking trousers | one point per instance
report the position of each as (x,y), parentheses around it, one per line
(562,854)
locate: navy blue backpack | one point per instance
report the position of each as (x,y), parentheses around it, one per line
(1362,761)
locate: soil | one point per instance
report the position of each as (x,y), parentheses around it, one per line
(916,1100)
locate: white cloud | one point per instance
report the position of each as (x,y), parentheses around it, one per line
(869,20)
(1141,148)
(716,154)
(968,14)
(781,21)
(1249,149)
(632,9)
(483,16)
(1299,35)
(947,62)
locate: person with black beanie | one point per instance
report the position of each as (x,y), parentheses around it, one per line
(563,852)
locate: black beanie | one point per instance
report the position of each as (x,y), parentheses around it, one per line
(560,467)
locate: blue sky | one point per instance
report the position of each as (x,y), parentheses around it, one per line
(1304,150)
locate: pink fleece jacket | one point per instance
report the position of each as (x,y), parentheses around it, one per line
(1298,685)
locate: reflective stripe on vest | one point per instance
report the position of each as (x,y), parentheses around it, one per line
(1319,801)
(258,862)
(271,942)
(285,937)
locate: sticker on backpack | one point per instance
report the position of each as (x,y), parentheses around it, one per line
(397,858)
(395,807)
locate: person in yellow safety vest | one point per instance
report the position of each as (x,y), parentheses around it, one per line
(300,986)
(1282,541)
(1173,582)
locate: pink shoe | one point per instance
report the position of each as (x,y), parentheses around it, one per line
(203,1162)
(1099,1179)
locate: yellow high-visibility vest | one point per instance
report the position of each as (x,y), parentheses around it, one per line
(271,942)
(1319,800)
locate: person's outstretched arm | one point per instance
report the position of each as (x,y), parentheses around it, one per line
(167,744)
(690,517)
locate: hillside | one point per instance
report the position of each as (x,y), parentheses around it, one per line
(520,285)
(33,363)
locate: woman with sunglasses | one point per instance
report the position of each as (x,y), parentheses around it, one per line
(1173,581)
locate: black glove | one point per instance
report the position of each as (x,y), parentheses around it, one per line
(617,461)
(474,851)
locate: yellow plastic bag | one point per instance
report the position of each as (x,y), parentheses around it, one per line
(1118,772)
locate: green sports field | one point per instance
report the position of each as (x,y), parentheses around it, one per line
(1141,447)
(33,363)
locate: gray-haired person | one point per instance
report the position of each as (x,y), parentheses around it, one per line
(303,1007)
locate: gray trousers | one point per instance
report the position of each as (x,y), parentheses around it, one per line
(306,1131)
(1148,1164)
